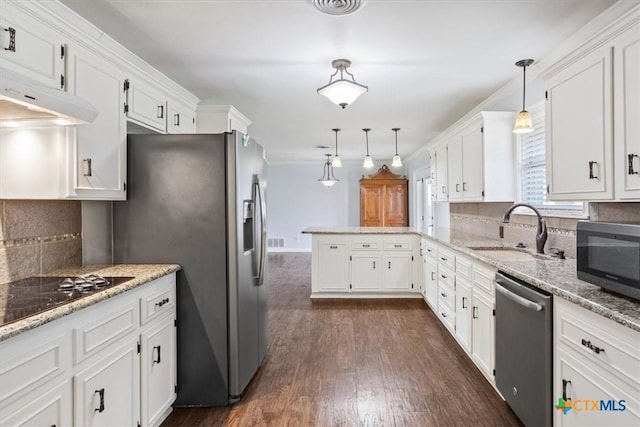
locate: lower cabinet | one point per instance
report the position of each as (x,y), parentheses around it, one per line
(463,313)
(107,393)
(121,372)
(366,272)
(430,282)
(397,272)
(332,270)
(483,333)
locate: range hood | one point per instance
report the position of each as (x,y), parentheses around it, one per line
(24,102)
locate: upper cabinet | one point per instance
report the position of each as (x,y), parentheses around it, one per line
(221,118)
(181,118)
(476,163)
(592,127)
(30,48)
(146,105)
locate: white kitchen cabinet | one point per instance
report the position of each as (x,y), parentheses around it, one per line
(332,266)
(180,118)
(107,393)
(397,271)
(465,164)
(455,169)
(483,332)
(431,282)
(442,192)
(626,78)
(30,48)
(146,105)
(366,271)
(98,153)
(158,370)
(595,358)
(52,408)
(220,118)
(463,313)
(578,128)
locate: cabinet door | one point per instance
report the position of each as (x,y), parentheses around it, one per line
(146,106)
(483,333)
(371,205)
(463,313)
(158,370)
(626,68)
(397,271)
(454,168)
(579,129)
(395,206)
(108,392)
(180,119)
(50,406)
(100,165)
(366,272)
(30,48)
(333,266)
(441,191)
(576,380)
(472,163)
(431,282)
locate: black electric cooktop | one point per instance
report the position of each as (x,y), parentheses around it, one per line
(26,297)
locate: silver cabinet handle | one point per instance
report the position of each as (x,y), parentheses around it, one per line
(443,189)
(518,299)
(12,39)
(433,275)
(88,172)
(457,188)
(464,186)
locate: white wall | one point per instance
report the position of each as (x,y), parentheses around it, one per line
(296,200)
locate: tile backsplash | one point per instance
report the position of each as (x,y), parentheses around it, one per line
(38,236)
(484,219)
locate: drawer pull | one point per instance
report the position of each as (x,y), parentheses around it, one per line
(591,174)
(474,313)
(374,265)
(163,302)
(366,246)
(464,299)
(429,250)
(457,188)
(564,389)
(155,360)
(443,276)
(443,294)
(595,349)
(12,39)
(88,172)
(176,119)
(397,246)
(443,258)
(161,111)
(443,315)
(630,158)
(433,275)
(333,247)
(443,189)
(389,265)
(100,392)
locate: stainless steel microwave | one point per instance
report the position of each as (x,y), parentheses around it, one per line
(609,256)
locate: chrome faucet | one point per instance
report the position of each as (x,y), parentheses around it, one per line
(541,233)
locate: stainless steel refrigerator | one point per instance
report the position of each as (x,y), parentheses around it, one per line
(199,201)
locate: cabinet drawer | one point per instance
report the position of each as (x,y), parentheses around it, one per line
(602,342)
(447,317)
(29,360)
(50,406)
(483,278)
(105,327)
(446,277)
(447,257)
(366,245)
(161,301)
(430,249)
(463,267)
(397,245)
(446,296)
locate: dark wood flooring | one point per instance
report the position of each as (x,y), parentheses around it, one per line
(355,363)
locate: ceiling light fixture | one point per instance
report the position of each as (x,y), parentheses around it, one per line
(337,7)
(368,161)
(336,162)
(341,91)
(523,119)
(397,161)
(328,179)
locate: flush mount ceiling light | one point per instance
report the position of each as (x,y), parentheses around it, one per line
(328,179)
(523,119)
(337,7)
(336,162)
(368,161)
(342,91)
(397,161)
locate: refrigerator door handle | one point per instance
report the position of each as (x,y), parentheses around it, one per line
(263,229)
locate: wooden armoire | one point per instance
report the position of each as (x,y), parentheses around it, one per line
(384,200)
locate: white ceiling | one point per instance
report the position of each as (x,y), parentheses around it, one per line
(426,62)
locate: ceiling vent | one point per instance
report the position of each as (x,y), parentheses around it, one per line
(337,7)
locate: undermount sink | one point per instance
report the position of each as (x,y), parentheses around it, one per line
(507,254)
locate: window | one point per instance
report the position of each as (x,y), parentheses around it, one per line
(533,180)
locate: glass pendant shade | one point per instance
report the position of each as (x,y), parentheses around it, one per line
(397,161)
(336,162)
(523,122)
(368,162)
(523,119)
(328,179)
(341,91)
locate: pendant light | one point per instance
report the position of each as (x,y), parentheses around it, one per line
(328,179)
(368,161)
(523,119)
(342,91)
(336,162)
(397,161)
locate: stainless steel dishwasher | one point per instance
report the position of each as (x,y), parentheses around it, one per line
(524,354)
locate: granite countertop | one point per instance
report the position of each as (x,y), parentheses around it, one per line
(141,273)
(552,275)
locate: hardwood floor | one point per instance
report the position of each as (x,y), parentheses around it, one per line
(355,363)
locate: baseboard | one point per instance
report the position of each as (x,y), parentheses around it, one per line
(273,250)
(365,295)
